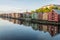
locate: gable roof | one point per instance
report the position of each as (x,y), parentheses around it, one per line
(57,11)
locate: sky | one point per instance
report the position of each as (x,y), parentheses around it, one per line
(23,5)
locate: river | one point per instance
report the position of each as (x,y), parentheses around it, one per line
(12,29)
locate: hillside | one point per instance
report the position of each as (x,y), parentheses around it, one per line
(47,8)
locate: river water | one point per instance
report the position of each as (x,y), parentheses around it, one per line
(12,29)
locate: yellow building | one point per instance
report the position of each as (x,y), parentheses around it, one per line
(17,15)
(13,15)
(45,16)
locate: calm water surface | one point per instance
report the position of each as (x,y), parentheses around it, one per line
(12,29)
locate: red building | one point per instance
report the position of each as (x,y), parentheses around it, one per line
(54,15)
(59,17)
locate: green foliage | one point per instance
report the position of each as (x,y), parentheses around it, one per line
(55,7)
(46,9)
(39,10)
(58,8)
(32,11)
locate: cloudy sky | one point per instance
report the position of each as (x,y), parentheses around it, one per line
(22,5)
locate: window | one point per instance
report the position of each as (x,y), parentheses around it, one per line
(53,16)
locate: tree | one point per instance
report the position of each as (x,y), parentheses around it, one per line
(39,10)
(32,11)
(46,9)
(55,7)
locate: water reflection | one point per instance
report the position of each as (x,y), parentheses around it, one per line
(53,30)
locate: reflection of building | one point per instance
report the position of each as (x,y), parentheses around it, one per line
(20,22)
(34,26)
(16,21)
(40,27)
(58,29)
(13,20)
(26,23)
(45,27)
(53,30)
(4,18)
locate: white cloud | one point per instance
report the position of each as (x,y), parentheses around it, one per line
(6,9)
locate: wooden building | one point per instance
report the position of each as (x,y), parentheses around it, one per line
(40,16)
(45,16)
(54,15)
(28,15)
(58,16)
(34,16)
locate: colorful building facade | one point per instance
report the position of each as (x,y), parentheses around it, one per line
(40,16)
(45,16)
(53,16)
